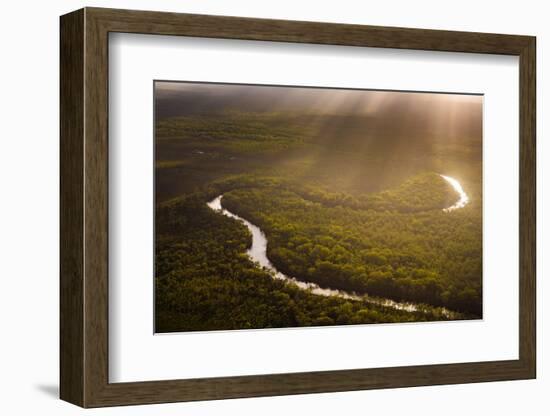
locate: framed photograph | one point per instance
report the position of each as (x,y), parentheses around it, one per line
(255,207)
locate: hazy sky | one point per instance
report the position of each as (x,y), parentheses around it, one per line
(198,96)
(452,114)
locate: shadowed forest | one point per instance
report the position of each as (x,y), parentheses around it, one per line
(346,187)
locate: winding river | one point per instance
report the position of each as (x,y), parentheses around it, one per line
(463,200)
(258,253)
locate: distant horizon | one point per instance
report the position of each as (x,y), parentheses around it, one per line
(412,113)
(175,85)
(360,100)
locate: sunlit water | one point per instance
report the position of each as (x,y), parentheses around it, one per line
(463,198)
(258,253)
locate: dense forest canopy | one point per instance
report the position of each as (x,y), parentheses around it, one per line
(349,196)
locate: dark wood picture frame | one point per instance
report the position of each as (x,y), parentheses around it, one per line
(84,207)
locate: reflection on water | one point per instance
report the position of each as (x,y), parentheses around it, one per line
(463,198)
(258,254)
